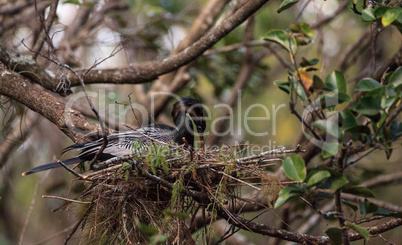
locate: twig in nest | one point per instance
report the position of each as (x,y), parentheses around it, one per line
(65,199)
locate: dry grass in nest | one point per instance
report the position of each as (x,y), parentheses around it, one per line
(147,197)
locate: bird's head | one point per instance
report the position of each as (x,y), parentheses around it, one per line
(190,107)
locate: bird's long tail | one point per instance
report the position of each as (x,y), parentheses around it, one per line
(51,165)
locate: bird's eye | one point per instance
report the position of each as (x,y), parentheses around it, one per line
(199,129)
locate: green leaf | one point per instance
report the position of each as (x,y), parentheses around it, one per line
(336,80)
(286,194)
(335,236)
(305,62)
(368,105)
(349,204)
(359,229)
(330,127)
(282,38)
(333,98)
(380,11)
(357,131)
(367,84)
(386,103)
(294,168)
(380,91)
(318,177)
(396,78)
(283,86)
(300,91)
(330,149)
(391,15)
(317,82)
(360,191)
(334,182)
(307,31)
(286,4)
(382,212)
(367,207)
(368,14)
(388,150)
(348,120)
(396,130)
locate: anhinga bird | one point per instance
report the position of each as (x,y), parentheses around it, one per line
(185,111)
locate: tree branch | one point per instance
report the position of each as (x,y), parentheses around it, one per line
(26,66)
(378,229)
(46,28)
(201,25)
(332,16)
(69,121)
(149,71)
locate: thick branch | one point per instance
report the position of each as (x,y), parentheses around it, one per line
(69,121)
(26,66)
(149,71)
(140,73)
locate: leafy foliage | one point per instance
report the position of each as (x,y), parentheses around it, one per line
(341,122)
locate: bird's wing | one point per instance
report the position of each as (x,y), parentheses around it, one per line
(129,142)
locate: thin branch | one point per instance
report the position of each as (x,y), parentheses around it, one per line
(65,199)
(354,51)
(379,203)
(381,228)
(354,8)
(44,35)
(242,80)
(383,180)
(31,206)
(79,176)
(332,16)
(236,46)
(15,8)
(279,151)
(239,180)
(87,212)
(47,239)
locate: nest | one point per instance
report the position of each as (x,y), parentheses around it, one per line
(154,196)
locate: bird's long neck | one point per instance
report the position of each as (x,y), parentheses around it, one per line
(185,133)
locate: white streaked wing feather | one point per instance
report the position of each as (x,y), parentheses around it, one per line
(120,144)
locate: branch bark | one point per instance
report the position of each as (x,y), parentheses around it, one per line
(69,121)
(149,71)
